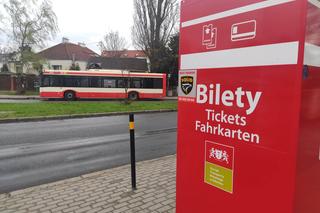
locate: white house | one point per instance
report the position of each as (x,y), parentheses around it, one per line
(63,55)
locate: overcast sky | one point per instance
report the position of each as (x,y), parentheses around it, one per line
(88,21)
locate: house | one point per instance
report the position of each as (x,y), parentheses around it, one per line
(132,64)
(58,57)
(2,60)
(139,54)
(10,68)
(9,80)
(9,63)
(124,54)
(63,55)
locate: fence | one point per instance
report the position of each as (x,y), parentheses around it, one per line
(8,82)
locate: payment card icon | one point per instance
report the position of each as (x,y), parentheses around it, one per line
(244,30)
(209,36)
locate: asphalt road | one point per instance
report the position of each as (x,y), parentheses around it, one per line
(34,153)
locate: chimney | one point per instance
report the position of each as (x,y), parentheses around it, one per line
(82,44)
(73,57)
(65,40)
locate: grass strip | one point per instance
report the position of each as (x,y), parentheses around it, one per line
(13,93)
(26,110)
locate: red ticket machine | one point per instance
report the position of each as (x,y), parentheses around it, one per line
(249,107)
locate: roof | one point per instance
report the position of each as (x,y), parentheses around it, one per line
(133,64)
(68,51)
(102,73)
(124,54)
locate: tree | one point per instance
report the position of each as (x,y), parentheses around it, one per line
(125,85)
(32,60)
(32,23)
(174,59)
(1,17)
(3,50)
(113,43)
(1,21)
(154,22)
(28,60)
(75,66)
(4,68)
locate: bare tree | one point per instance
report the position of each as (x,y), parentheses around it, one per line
(113,43)
(126,83)
(1,17)
(154,22)
(1,20)
(33,22)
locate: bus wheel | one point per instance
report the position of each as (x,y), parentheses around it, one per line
(133,96)
(69,96)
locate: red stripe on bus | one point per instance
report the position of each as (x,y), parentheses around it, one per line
(51,95)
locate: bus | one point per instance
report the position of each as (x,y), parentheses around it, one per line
(101,84)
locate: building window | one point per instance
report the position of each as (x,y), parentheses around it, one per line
(57,67)
(19,69)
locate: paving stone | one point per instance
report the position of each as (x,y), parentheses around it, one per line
(107,191)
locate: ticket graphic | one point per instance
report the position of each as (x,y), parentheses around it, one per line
(244,30)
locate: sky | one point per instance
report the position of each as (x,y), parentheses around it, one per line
(88,21)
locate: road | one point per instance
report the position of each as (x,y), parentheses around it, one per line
(40,152)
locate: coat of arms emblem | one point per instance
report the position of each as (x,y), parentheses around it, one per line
(186,84)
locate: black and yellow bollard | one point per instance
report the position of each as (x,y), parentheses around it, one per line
(132,151)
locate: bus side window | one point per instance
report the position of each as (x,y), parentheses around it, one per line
(73,81)
(84,82)
(152,83)
(121,83)
(95,82)
(45,81)
(109,83)
(148,83)
(69,82)
(157,83)
(56,81)
(136,83)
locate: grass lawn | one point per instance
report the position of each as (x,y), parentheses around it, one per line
(38,109)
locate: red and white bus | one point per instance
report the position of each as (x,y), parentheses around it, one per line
(95,84)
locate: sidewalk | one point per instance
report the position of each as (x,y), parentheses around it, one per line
(105,191)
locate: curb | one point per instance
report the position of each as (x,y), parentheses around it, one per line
(63,117)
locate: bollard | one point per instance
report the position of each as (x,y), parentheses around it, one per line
(132,151)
